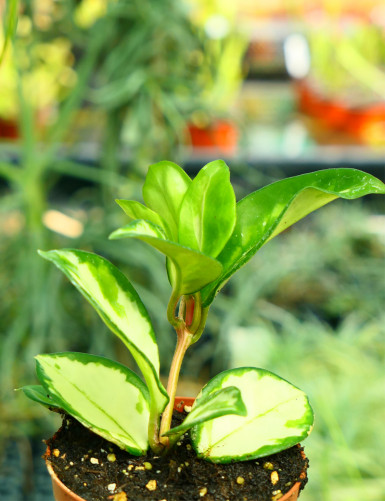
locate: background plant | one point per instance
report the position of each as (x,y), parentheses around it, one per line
(32,170)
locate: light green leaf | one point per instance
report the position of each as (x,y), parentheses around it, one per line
(193,270)
(278,417)
(207,214)
(103,395)
(120,307)
(163,191)
(9,25)
(220,403)
(136,210)
(38,394)
(267,212)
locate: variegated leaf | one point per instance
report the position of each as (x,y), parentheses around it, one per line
(220,403)
(118,304)
(278,417)
(106,397)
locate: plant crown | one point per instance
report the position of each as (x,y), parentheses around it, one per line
(206,236)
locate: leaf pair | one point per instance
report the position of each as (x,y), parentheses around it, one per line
(240,414)
(119,306)
(188,221)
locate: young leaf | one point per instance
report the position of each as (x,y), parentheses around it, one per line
(103,395)
(136,210)
(38,394)
(220,403)
(207,214)
(163,191)
(278,417)
(118,304)
(193,270)
(267,212)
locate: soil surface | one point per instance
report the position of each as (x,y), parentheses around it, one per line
(97,470)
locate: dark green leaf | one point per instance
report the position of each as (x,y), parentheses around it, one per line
(267,212)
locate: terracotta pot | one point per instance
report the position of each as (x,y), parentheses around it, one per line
(221,136)
(62,493)
(338,116)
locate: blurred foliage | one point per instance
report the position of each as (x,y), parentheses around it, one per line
(8,14)
(150,75)
(348,62)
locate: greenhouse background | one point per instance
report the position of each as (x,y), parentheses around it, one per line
(91,93)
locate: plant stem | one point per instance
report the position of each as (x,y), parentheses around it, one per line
(189,319)
(172,304)
(184,341)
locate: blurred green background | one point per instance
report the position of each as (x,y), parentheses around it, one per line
(93,91)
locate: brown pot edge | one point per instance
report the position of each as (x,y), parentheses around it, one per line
(66,494)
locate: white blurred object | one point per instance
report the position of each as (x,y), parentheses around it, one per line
(217,27)
(297,55)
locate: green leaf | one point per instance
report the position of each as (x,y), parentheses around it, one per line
(136,210)
(38,394)
(267,212)
(193,270)
(220,403)
(163,191)
(120,307)
(9,25)
(207,214)
(103,395)
(278,417)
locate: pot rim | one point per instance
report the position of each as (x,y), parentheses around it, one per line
(180,403)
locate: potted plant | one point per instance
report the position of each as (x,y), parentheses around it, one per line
(239,437)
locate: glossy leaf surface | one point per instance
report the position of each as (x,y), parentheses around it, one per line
(267,212)
(278,416)
(136,210)
(207,214)
(163,191)
(38,394)
(193,270)
(220,403)
(103,395)
(118,304)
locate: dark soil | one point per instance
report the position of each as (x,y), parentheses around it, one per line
(98,470)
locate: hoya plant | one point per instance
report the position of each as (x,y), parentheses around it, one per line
(206,236)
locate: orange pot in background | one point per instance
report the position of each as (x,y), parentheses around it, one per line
(62,493)
(365,124)
(220,136)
